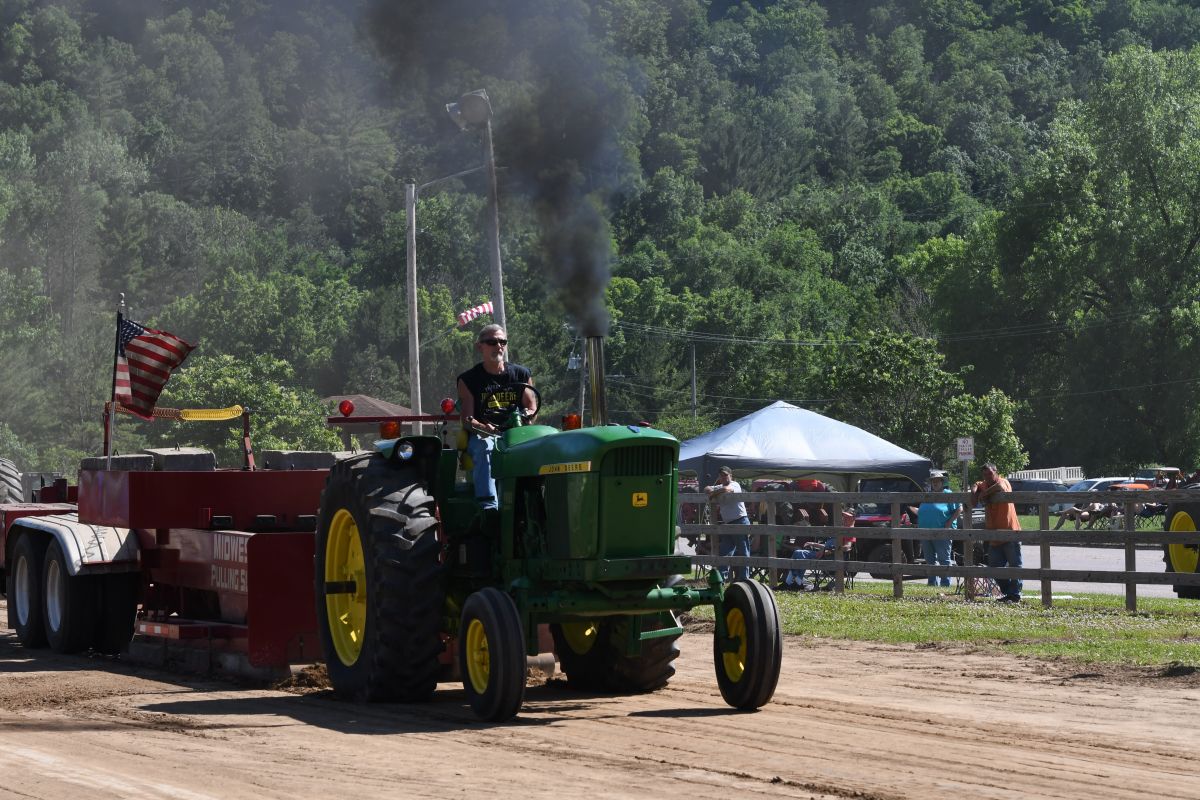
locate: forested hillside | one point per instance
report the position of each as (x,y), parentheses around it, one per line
(930,218)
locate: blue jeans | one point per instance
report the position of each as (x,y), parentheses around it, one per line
(795,576)
(1007,554)
(937,551)
(736,545)
(480,449)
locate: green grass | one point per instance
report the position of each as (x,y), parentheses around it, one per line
(1089,628)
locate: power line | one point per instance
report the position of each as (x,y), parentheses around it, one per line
(1051,395)
(1012,331)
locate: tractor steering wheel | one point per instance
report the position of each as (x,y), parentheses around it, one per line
(501,414)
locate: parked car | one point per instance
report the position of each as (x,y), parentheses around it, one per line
(1085,485)
(879,515)
(1097,484)
(1038,485)
(1157,476)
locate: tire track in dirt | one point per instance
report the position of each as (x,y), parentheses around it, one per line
(849,720)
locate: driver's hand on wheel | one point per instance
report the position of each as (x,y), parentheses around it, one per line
(481,426)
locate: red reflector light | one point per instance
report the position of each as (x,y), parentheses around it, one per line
(448,405)
(346,408)
(390,430)
(571,422)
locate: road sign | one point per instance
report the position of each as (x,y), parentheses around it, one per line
(966,448)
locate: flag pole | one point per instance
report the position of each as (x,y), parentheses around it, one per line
(110,414)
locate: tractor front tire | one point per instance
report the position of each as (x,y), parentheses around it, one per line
(748,663)
(491,653)
(25,590)
(379,582)
(69,604)
(1183,557)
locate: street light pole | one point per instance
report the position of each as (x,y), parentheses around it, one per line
(474,111)
(489,158)
(411,192)
(414,364)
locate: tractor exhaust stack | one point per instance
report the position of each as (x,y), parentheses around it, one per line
(595,363)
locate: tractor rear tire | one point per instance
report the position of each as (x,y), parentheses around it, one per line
(25,589)
(491,655)
(379,582)
(69,604)
(649,670)
(10,483)
(583,653)
(748,674)
(118,611)
(1183,557)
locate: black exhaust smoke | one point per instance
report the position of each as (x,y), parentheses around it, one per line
(558,144)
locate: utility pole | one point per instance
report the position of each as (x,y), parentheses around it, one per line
(693,380)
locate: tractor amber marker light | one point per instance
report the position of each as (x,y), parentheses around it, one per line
(558,469)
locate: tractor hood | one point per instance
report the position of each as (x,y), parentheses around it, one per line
(542,450)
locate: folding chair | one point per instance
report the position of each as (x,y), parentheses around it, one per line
(821,578)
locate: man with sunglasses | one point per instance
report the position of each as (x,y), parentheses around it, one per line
(492,380)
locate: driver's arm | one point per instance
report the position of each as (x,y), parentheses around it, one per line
(466,409)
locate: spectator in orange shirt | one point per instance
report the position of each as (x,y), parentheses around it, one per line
(1000,516)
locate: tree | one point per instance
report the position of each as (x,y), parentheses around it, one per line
(895,387)
(284,416)
(1111,214)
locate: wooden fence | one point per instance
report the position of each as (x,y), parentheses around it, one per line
(1125,534)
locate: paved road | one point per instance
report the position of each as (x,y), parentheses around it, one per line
(1098,558)
(1093,558)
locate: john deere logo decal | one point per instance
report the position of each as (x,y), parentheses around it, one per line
(558,469)
(641,499)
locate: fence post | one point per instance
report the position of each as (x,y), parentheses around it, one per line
(714,538)
(772,573)
(839,554)
(897,555)
(1044,551)
(1130,556)
(968,581)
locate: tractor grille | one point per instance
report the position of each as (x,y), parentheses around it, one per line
(631,462)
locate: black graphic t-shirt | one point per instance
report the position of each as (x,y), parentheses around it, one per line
(479,382)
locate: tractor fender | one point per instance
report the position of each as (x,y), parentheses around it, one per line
(89,549)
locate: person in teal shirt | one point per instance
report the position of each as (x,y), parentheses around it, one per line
(938,515)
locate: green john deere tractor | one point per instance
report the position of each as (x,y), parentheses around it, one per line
(416,584)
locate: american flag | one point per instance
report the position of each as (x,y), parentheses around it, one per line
(472,313)
(145,358)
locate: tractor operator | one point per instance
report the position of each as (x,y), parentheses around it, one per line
(496,379)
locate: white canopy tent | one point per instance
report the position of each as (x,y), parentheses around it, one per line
(784,439)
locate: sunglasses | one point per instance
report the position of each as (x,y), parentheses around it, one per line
(494,342)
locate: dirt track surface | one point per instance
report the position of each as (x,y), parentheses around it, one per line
(850,720)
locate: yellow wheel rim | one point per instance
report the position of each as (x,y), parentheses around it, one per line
(735,662)
(479,664)
(344,562)
(580,636)
(1185,555)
